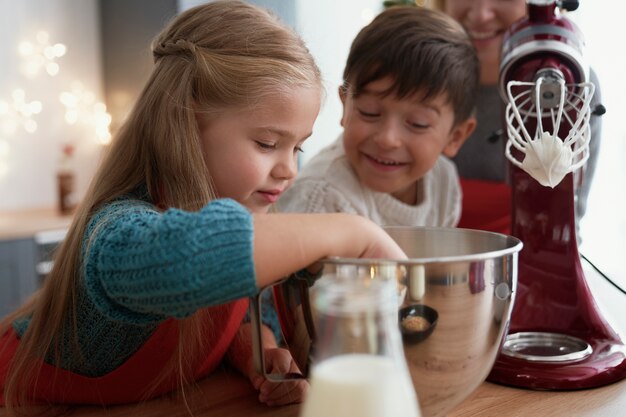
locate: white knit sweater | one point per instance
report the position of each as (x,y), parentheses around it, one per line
(328,184)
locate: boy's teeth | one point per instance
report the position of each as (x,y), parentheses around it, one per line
(380,161)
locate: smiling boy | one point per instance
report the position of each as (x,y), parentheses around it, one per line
(408,100)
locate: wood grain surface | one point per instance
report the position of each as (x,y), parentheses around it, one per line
(226,394)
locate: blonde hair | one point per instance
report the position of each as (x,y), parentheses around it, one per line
(220,55)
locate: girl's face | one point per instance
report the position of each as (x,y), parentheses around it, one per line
(392,143)
(252,154)
(486,21)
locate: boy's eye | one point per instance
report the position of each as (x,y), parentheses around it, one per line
(265,145)
(418,125)
(368,114)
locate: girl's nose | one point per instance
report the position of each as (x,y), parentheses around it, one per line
(286,168)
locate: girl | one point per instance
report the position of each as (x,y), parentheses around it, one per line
(148,290)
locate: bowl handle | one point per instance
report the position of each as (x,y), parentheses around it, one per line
(257,343)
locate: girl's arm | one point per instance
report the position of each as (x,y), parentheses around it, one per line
(288,242)
(143,266)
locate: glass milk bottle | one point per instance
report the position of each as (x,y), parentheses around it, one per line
(359,369)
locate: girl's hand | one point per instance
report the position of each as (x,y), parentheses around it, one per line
(287,242)
(279,361)
(378,244)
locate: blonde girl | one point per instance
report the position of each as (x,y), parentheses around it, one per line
(149,288)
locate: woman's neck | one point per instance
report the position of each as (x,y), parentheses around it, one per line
(489,74)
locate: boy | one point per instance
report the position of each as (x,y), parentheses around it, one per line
(408,100)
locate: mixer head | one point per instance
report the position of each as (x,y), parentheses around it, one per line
(557,115)
(543,80)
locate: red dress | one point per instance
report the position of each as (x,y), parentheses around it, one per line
(126,384)
(486,206)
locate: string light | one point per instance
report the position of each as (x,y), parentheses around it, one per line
(4,157)
(18,113)
(81,107)
(41,54)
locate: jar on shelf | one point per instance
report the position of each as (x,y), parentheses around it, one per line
(66,177)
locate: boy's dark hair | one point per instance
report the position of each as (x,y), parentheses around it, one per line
(423,50)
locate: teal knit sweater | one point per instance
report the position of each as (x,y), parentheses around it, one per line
(142,266)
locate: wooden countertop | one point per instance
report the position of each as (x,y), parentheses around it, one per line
(21,224)
(226,393)
(497,400)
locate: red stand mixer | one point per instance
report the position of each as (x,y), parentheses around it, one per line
(557,337)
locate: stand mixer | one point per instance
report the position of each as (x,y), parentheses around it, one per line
(557,337)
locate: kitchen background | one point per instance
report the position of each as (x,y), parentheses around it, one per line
(70,69)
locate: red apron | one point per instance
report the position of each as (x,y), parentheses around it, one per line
(486,206)
(127,383)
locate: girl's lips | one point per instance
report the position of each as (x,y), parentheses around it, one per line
(270,196)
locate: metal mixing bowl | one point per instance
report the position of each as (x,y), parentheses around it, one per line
(461,281)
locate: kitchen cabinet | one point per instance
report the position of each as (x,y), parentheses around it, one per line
(27,239)
(18,276)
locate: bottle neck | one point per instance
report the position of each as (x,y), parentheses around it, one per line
(356,315)
(359,368)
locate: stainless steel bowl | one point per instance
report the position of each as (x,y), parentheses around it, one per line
(463,278)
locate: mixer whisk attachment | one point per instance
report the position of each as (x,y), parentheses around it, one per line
(559,115)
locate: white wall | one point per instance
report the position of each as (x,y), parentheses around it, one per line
(28,161)
(328,27)
(604,225)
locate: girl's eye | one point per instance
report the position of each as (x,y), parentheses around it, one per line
(298,149)
(265,145)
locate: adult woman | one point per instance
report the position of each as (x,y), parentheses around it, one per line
(481,161)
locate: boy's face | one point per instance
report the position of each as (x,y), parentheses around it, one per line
(392,143)
(252,154)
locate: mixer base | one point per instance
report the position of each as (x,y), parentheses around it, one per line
(603,363)
(546,347)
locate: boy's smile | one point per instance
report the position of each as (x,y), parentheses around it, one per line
(392,143)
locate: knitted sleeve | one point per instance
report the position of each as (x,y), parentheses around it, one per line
(141,265)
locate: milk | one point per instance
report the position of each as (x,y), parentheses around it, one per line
(360,385)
